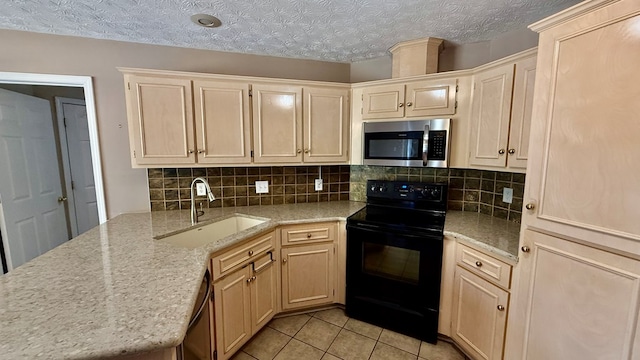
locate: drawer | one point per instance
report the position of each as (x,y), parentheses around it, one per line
(485,266)
(242,254)
(308,233)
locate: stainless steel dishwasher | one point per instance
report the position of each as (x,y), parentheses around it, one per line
(197,344)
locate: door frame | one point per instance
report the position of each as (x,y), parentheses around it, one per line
(86,83)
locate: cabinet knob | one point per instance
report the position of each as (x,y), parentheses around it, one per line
(500,308)
(409,103)
(525,249)
(190,151)
(306,151)
(501,151)
(250,252)
(298,151)
(530,206)
(400,105)
(284,261)
(200,151)
(478,263)
(308,236)
(62,198)
(248,280)
(512,151)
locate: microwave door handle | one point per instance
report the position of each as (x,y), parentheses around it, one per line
(425,145)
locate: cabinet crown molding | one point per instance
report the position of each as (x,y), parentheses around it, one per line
(506,60)
(569,14)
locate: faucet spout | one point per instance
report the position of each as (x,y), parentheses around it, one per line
(210,196)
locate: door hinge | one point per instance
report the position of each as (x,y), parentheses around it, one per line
(456,104)
(134,154)
(250,92)
(213,295)
(128,86)
(251,153)
(457,88)
(334,292)
(73,185)
(215,354)
(64,121)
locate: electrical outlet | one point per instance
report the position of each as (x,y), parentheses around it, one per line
(507,195)
(201,190)
(318,184)
(262,187)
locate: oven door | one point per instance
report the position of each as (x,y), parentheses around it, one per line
(393,279)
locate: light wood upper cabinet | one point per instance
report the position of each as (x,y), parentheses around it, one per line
(277,123)
(222,119)
(326,124)
(501,115)
(160,120)
(479,315)
(414,99)
(579,270)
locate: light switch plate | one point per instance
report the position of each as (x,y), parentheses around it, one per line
(507,195)
(262,187)
(318,184)
(201,190)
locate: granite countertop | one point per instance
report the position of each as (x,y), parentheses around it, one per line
(116,290)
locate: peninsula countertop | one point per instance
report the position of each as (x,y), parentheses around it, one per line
(116,290)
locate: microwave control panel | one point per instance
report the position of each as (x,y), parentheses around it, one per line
(437,145)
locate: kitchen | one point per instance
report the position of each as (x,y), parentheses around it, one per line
(113,164)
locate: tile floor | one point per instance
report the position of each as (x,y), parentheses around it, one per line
(330,335)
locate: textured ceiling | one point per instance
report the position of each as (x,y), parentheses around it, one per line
(331,30)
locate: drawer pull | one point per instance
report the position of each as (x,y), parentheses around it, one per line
(250,252)
(308,236)
(500,308)
(478,263)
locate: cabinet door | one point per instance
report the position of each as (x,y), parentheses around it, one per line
(307,276)
(479,315)
(160,120)
(521,108)
(574,302)
(326,125)
(223,133)
(277,123)
(383,102)
(431,98)
(232,312)
(490,112)
(263,291)
(584,173)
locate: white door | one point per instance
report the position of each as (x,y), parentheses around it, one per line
(78,168)
(35,220)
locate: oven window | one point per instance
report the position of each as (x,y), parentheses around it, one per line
(391,262)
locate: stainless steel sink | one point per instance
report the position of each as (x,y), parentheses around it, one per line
(212,232)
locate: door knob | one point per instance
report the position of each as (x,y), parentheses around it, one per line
(512,151)
(530,206)
(525,249)
(62,198)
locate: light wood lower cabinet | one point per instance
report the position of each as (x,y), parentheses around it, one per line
(263,291)
(307,275)
(479,315)
(232,300)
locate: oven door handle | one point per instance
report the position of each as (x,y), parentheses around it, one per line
(365,226)
(425,145)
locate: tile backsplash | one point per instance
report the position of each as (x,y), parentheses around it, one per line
(235,186)
(469,190)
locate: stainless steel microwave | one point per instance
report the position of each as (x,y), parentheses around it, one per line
(407,143)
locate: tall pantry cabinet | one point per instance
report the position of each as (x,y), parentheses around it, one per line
(577,284)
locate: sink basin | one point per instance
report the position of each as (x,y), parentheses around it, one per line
(209,233)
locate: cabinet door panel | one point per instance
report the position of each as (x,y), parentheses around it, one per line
(383,102)
(222,122)
(490,115)
(277,123)
(263,292)
(521,109)
(161,118)
(307,276)
(232,312)
(574,302)
(585,130)
(478,325)
(326,125)
(431,98)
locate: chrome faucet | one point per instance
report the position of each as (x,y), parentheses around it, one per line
(194,212)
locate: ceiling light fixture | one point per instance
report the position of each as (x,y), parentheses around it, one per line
(205,20)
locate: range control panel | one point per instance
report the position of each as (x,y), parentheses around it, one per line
(404,190)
